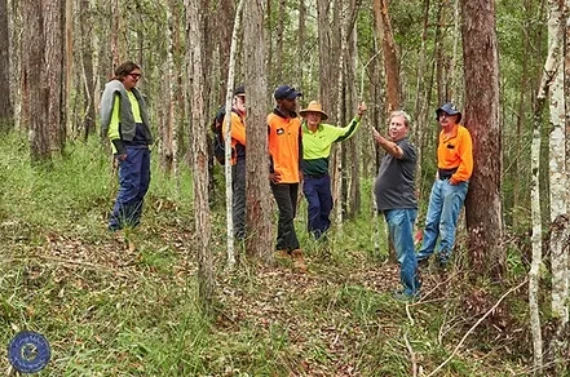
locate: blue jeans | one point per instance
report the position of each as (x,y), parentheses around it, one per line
(401,226)
(134,180)
(317,190)
(445,203)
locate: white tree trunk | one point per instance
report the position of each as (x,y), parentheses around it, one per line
(228,138)
(557,165)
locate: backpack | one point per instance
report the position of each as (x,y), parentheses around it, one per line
(219,146)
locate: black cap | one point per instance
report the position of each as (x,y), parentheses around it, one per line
(448,108)
(286,92)
(239,91)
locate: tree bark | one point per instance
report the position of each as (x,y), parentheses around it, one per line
(259,229)
(54,21)
(279,69)
(557,163)
(228,138)
(385,34)
(34,69)
(68,69)
(298,75)
(195,38)
(88,73)
(536,239)
(484,211)
(6,108)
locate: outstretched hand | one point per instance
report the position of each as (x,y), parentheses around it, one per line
(361,109)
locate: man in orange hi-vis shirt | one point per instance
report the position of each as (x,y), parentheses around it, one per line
(286,151)
(454,168)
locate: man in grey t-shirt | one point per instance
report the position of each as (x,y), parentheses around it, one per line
(396,198)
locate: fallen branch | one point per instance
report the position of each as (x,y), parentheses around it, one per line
(475,326)
(412,355)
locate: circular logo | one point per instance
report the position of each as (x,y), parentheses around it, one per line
(29,352)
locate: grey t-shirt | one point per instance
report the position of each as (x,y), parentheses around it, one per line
(395,187)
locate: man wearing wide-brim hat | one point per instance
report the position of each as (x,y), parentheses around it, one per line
(454,169)
(318,138)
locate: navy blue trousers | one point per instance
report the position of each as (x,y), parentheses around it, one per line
(317,190)
(134,180)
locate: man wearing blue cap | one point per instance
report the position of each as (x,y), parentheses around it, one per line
(285,152)
(454,168)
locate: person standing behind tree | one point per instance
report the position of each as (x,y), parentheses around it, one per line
(238,160)
(396,198)
(318,138)
(285,152)
(454,168)
(124,120)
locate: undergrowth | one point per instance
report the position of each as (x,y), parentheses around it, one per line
(126,305)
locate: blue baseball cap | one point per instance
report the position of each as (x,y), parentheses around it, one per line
(448,108)
(286,92)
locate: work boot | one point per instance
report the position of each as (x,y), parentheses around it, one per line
(298,260)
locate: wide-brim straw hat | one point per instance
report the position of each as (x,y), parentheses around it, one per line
(314,107)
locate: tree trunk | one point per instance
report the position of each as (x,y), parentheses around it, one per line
(279,43)
(228,138)
(115,33)
(298,74)
(6,108)
(259,228)
(35,68)
(195,38)
(557,163)
(68,70)
(54,21)
(226,25)
(169,133)
(385,34)
(453,86)
(534,274)
(484,212)
(88,74)
(326,78)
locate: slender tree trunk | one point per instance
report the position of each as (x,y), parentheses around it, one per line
(326,79)
(228,137)
(6,108)
(557,174)
(534,274)
(87,60)
(195,37)
(484,211)
(115,33)
(68,71)
(226,25)
(54,21)
(385,34)
(169,134)
(34,68)
(418,129)
(441,56)
(279,69)
(453,86)
(259,229)
(298,76)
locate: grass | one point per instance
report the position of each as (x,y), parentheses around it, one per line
(109,310)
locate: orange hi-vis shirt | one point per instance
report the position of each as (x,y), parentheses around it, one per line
(238,133)
(456,152)
(285,147)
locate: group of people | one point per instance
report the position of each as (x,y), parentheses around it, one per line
(299,153)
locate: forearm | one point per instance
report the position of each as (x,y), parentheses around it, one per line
(389,146)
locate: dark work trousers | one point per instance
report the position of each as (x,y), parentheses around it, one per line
(317,190)
(134,180)
(238,187)
(286,197)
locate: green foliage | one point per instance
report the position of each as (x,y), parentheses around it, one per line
(126,305)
